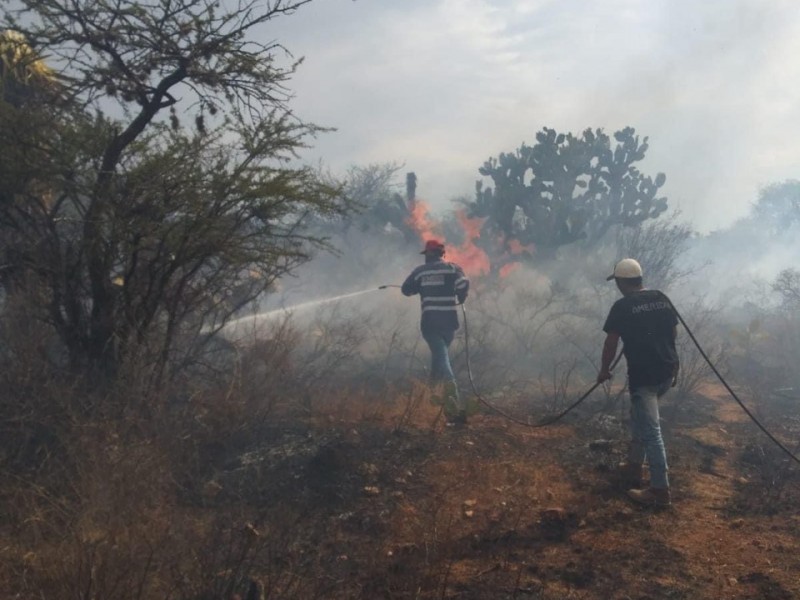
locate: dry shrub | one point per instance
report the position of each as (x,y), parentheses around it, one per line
(513,330)
(101,487)
(330,356)
(32,400)
(658,246)
(694,370)
(259,381)
(555,389)
(105,530)
(284,369)
(118,514)
(129,509)
(121,531)
(90,501)
(762,354)
(771,484)
(413,406)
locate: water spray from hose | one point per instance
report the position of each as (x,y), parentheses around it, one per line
(304,305)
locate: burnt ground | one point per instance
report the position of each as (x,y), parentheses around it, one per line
(367,502)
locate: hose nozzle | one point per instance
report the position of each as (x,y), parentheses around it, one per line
(388,285)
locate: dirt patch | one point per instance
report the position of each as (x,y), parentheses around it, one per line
(402,507)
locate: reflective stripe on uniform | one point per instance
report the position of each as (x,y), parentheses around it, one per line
(423,273)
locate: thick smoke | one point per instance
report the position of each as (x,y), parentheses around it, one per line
(535,325)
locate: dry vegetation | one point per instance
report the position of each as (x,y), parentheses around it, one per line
(144,458)
(306,469)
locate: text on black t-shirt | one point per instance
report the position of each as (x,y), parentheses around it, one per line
(645,321)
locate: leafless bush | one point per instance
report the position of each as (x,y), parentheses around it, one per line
(762,354)
(105,513)
(102,530)
(657,245)
(555,389)
(784,327)
(525,315)
(417,406)
(787,285)
(771,484)
(694,370)
(511,329)
(487,356)
(331,353)
(394,350)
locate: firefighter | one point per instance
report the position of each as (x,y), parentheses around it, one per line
(442,286)
(647,324)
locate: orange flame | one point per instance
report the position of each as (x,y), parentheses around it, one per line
(470,257)
(507,269)
(419,220)
(516,247)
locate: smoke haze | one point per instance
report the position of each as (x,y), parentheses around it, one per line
(442,85)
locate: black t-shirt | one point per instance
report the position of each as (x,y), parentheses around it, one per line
(645,321)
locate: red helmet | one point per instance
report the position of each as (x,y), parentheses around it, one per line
(433,246)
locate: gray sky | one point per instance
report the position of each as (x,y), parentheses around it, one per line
(441,85)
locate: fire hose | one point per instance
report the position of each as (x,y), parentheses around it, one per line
(727,387)
(543,422)
(550,420)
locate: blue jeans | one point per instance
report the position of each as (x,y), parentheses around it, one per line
(441,371)
(646,440)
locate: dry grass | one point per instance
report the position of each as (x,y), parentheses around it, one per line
(265,478)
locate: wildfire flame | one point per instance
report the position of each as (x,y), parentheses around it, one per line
(419,220)
(468,255)
(507,269)
(515,247)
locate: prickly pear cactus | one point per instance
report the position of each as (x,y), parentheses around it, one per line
(566,188)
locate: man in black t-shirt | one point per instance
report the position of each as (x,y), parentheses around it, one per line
(647,324)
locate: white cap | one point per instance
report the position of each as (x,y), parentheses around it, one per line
(627,268)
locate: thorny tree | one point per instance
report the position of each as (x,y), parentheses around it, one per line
(136,229)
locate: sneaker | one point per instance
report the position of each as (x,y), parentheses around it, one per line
(655,497)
